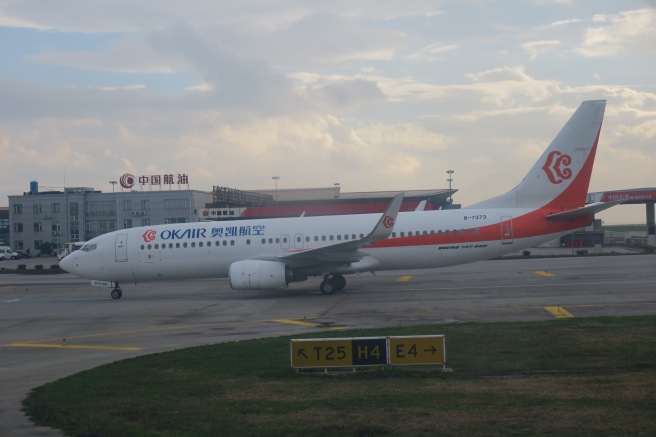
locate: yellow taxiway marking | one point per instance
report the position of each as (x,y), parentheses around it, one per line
(405,278)
(310,324)
(75,346)
(544,273)
(296,322)
(559,312)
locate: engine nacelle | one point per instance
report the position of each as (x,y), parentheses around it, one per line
(259,275)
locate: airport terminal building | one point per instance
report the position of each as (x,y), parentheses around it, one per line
(81,213)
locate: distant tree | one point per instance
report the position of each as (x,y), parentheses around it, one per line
(46,248)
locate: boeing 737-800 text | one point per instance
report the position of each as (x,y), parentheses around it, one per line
(271,253)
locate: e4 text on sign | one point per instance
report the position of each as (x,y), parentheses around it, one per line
(421,349)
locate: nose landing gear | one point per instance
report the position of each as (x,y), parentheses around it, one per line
(116,292)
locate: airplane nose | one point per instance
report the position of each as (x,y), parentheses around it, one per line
(66,264)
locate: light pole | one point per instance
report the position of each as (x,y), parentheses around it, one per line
(275,180)
(450,173)
(113,184)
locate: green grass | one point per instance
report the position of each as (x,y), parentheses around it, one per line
(586,377)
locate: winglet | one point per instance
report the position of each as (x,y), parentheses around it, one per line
(385,225)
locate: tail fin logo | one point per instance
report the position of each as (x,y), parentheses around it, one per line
(557,167)
(388,221)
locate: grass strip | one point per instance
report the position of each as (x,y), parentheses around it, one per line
(582,376)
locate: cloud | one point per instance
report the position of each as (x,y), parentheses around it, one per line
(433,52)
(621,33)
(534,48)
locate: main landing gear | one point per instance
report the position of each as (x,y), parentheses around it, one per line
(331,284)
(116,292)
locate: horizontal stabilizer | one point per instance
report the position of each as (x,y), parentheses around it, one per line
(574,214)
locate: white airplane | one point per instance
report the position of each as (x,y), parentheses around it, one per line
(266,254)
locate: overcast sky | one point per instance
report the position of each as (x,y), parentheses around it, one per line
(373,94)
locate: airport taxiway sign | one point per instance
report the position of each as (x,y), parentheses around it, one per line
(338,352)
(422,349)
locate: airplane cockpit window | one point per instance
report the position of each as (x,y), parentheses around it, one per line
(89,247)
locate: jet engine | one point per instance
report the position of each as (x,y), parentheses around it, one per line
(261,275)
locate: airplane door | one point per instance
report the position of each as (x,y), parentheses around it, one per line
(298,241)
(121,247)
(506,230)
(284,241)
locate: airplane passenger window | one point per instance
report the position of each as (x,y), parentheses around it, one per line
(353,237)
(323,238)
(248,242)
(478,230)
(270,240)
(307,239)
(193,244)
(232,242)
(184,244)
(432,232)
(361,235)
(393,234)
(277,240)
(142,247)
(225,243)
(263,240)
(346,237)
(339,237)
(316,238)
(150,246)
(402,234)
(446,232)
(177,245)
(469,231)
(200,244)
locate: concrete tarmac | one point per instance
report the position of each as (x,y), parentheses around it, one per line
(52,326)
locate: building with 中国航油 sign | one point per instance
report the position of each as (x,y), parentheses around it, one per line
(71,214)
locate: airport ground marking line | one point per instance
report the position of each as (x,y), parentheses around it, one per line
(74,346)
(559,312)
(137,331)
(296,322)
(544,273)
(487,287)
(405,278)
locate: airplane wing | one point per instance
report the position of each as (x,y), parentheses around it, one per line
(347,251)
(592,208)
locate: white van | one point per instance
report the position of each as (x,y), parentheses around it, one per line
(6,253)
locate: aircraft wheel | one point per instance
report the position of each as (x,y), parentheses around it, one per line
(340,282)
(328,286)
(116,293)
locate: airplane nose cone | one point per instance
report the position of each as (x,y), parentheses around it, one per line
(66,264)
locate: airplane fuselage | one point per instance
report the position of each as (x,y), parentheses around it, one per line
(423,239)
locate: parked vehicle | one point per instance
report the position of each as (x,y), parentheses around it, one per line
(69,248)
(6,253)
(23,255)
